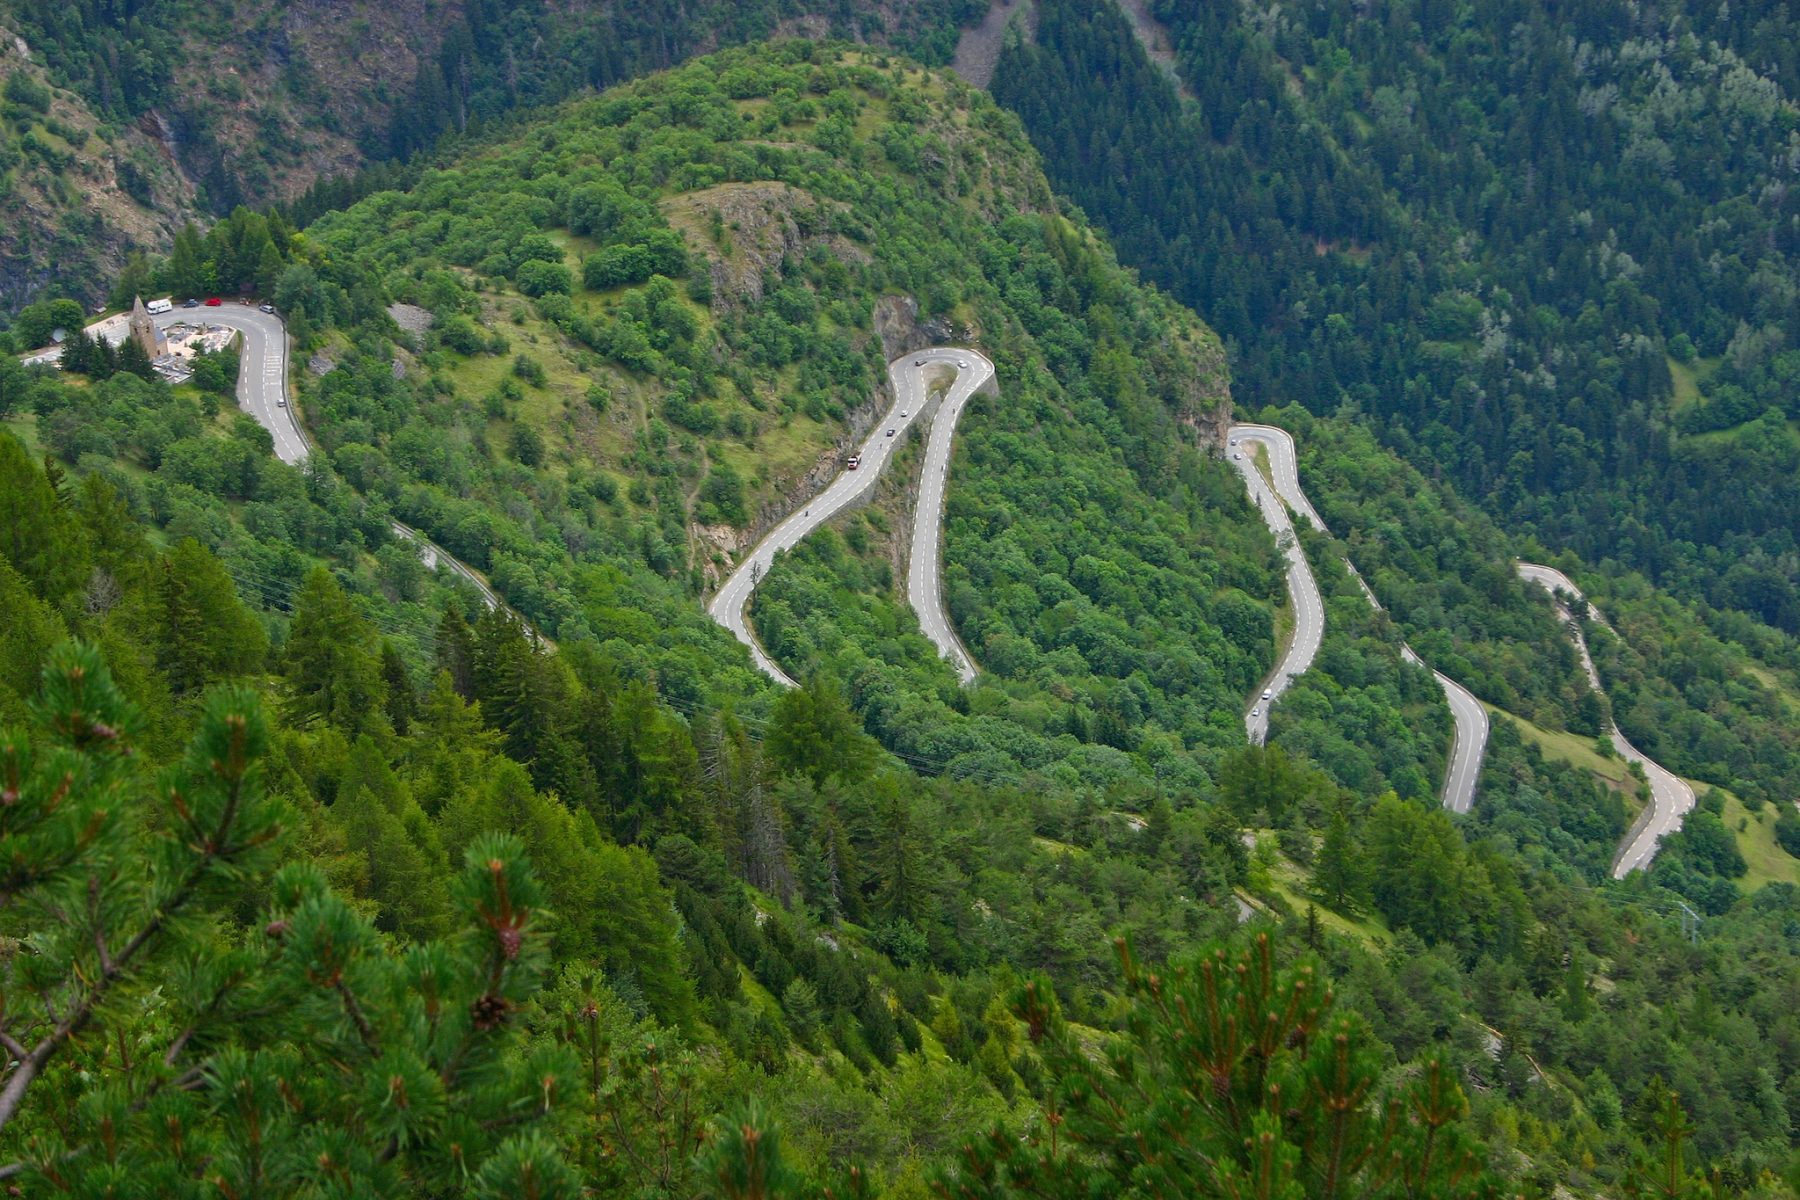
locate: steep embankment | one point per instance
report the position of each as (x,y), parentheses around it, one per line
(78,193)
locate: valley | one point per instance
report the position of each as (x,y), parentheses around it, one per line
(741,621)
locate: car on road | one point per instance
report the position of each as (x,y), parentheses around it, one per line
(903,412)
(281,401)
(190,302)
(1238,456)
(1256,712)
(1268,693)
(268,308)
(890,433)
(962,364)
(918,362)
(213,302)
(855,462)
(1234,441)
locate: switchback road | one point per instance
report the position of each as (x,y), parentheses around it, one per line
(911,376)
(1309,612)
(262,392)
(1309,607)
(1670,796)
(262,370)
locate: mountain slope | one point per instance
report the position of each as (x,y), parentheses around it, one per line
(798,196)
(209,104)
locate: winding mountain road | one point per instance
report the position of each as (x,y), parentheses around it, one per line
(1309,606)
(1309,612)
(911,376)
(262,392)
(263,389)
(1671,799)
(262,370)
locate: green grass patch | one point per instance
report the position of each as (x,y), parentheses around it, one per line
(24,427)
(1287,879)
(1686,379)
(1755,833)
(1571,748)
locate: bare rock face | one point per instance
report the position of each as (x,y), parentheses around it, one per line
(901,331)
(746,230)
(410,317)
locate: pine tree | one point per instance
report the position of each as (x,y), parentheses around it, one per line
(1338,876)
(402,700)
(456,651)
(812,732)
(157,1048)
(180,633)
(898,859)
(133,359)
(38,534)
(1271,1094)
(185,271)
(333,671)
(77,353)
(105,898)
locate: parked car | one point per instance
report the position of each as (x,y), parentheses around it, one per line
(190,302)
(213,302)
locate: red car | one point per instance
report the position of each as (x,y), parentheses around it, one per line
(855,462)
(213,302)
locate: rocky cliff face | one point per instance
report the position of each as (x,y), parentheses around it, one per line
(77,195)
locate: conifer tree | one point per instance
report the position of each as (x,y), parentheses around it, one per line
(1338,877)
(402,700)
(155,1050)
(180,633)
(333,671)
(38,533)
(1233,1078)
(132,358)
(456,651)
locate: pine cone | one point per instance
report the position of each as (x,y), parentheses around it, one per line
(489,1011)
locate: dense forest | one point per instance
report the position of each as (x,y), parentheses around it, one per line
(327,879)
(1547,253)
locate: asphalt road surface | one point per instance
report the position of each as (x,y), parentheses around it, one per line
(1309,608)
(1309,614)
(1671,798)
(262,384)
(924,584)
(728,606)
(262,374)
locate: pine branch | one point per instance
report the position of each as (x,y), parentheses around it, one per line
(209,852)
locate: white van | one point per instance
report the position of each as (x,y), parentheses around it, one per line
(159,306)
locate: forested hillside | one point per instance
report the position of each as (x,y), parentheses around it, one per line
(1548,252)
(325,878)
(208,104)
